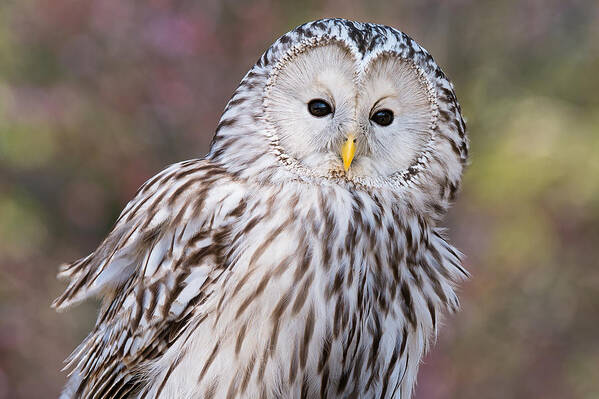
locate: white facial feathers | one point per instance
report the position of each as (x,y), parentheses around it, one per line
(355,91)
(323,72)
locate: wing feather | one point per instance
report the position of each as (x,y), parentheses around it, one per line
(151,272)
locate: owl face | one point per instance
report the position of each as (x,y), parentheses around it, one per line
(333,111)
(349,103)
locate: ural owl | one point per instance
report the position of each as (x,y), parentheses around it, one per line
(301,257)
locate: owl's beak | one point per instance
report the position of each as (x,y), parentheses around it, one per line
(348,150)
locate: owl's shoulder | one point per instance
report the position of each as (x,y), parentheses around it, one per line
(152,270)
(184,197)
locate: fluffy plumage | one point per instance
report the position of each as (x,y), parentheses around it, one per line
(265,269)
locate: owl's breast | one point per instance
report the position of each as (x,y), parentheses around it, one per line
(309,303)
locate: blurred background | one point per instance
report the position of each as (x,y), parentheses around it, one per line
(96,97)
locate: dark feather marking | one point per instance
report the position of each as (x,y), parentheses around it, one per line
(202,166)
(390,368)
(339,306)
(240,284)
(250,225)
(404,371)
(417,279)
(125,390)
(308,332)
(431,309)
(350,276)
(174,293)
(199,236)
(168,374)
(238,100)
(144,187)
(324,382)
(306,258)
(209,361)
(302,294)
(343,381)
(185,186)
(138,308)
(374,374)
(376,334)
(338,282)
(240,338)
(276,320)
(357,372)
(404,341)
(409,238)
(238,210)
(262,368)
(234,386)
(211,390)
(102,382)
(433,279)
(305,387)
(280,269)
(408,305)
(248,373)
(350,338)
(268,241)
(293,365)
(151,211)
(153,289)
(382,303)
(131,214)
(345,316)
(326,352)
(329,225)
(144,393)
(253,295)
(225,123)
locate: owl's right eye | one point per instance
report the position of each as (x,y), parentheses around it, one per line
(319,108)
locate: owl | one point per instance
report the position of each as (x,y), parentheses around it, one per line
(302,257)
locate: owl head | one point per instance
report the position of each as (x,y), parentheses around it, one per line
(347,103)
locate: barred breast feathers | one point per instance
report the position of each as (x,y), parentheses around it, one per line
(169,247)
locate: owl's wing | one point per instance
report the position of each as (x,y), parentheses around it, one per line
(153,270)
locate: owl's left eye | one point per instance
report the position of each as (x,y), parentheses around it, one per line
(319,108)
(383,117)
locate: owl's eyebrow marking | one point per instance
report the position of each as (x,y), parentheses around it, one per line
(327,93)
(377,103)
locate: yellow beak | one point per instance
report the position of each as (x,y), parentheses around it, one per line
(348,150)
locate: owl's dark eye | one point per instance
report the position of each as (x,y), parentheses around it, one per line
(383,117)
(319,108)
